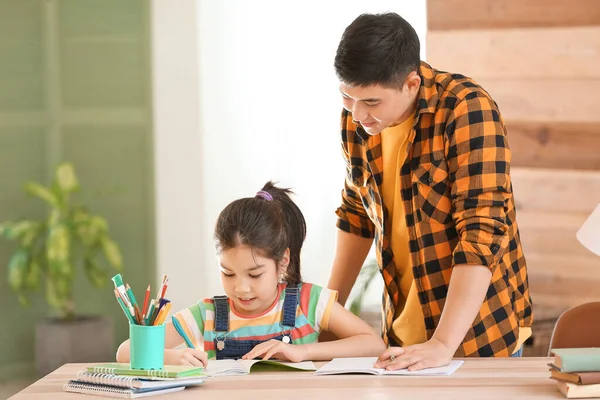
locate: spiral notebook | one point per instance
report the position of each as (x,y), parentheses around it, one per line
(113,391)
(168,371)
(133,382)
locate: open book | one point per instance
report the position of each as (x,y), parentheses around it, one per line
(243,367)
(364,365)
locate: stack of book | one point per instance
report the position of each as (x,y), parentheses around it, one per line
(119,380)
(577,372)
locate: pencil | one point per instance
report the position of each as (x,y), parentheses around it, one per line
(125,310)
(162,315)
(146,298)
(164,289)
(160,289)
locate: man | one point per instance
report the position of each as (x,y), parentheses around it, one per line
(428,176)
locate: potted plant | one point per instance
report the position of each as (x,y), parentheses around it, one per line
(369,272)
(49,253)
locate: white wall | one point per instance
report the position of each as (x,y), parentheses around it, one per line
(266,107)
(177,147)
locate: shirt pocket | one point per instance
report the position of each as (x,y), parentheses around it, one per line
(431,192)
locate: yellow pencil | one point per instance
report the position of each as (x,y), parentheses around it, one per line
(162,315)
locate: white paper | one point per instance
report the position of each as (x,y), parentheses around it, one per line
(364,365)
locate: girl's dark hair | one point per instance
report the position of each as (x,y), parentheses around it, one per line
(269,223)
(378,49)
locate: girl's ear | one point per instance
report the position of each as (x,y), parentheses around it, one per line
(283,264)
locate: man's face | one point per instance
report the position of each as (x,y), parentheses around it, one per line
(376,107)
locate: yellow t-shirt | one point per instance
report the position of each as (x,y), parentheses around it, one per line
(408,327)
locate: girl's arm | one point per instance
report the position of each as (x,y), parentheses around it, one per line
(172,356)
(356,338)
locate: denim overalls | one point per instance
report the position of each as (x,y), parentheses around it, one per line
(233,348)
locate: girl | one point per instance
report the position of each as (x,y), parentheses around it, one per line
(268,312)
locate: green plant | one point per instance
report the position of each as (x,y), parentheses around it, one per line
(52,249)
(365,277)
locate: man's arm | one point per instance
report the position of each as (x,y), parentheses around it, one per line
(466,292)
(350,254)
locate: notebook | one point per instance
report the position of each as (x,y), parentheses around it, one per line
(168,371)
(578,378)
(243,367)
(572,391)
(133,382)
(112,391)
(364,365)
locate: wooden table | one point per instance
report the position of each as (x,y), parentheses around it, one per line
(501,378)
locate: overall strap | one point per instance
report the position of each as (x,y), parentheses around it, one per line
(221,313)
(290,303)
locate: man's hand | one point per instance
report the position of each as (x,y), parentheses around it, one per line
(190,357)
(277,349)
(432,353)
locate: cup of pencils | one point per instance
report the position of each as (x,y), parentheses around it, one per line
(146,325)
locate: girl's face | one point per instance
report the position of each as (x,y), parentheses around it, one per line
(249,280)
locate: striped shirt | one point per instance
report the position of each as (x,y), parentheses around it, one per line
(312,315)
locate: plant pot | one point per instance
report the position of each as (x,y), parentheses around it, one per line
(83,340)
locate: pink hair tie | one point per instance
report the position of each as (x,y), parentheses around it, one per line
(264,195)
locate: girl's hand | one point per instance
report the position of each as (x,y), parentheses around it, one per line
(277,349)
(189,357)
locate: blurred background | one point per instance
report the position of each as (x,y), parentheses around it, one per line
(170,109)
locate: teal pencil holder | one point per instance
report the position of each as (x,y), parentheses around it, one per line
(146,346)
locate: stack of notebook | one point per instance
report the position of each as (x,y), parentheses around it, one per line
(118,380)
(577,372)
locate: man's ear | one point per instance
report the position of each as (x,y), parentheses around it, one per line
(413,83)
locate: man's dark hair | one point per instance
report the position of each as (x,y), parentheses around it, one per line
(377,49)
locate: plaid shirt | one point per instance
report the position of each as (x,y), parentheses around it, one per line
(458,200)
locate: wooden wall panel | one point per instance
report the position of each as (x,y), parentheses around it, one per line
(546,99)
(517,53)
(486,14)
(563,265)
(539,60)
(562,145)
(555,191)
(562,293)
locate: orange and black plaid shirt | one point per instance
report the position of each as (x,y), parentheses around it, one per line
(459,205)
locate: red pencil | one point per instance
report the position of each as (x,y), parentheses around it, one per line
(164,289)
(144,310)
(160,288)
